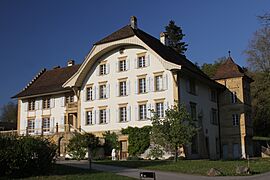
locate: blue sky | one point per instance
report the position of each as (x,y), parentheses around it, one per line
(43,34)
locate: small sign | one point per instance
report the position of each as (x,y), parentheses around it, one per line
(147,175)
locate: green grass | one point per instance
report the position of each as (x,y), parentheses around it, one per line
(199,167)
(67,172)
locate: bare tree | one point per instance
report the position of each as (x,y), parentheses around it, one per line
(9,112)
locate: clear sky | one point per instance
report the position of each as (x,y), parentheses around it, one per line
(36,34)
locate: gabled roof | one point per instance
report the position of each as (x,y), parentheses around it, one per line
(49,81)
(229,69)
(165,52)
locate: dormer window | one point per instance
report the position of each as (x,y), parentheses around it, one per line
(31,105)
(46,103)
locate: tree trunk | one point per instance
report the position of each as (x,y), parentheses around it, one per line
(176,154)
(89,158)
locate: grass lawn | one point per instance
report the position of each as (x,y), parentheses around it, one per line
(195,166)
(66,172)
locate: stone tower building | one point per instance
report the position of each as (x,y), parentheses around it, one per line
(235,111)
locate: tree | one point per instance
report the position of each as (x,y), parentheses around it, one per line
(265,19)
(9,112)
(211,68)
(111,142)
(80,143)
(175,130)
(175,37)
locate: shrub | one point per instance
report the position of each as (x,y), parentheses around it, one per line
(78,145)
(138,139)
(111,142)
(156,152)
(24,156)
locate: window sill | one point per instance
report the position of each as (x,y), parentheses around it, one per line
(123,121)
(89,124)
(122,95)
(143,93)
(122,71)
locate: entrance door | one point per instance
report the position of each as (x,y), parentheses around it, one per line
(236,154)
(70,119)
(123,149)
(225,151)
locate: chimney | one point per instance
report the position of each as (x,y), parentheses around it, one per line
(70,63)
(133,22)
(164,38)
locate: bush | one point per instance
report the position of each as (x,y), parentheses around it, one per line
(24,156)
(138,139)
(111,142)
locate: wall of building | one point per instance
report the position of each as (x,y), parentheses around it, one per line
(113,102)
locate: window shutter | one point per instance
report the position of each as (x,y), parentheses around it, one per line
(94,93)
(26,104)
(136,86)
(148,60)
(107,90)
(95,116)
(97,70)
(148,84)
(128,87)
(136,112)
(52,124)
(136,63)
(117,66)
(165,106)
(62,101)
(25,124)
(62,120)
(107,115)
(97,92)
(37,126)
(116,90)
(148,110)
(36,105)
(84,94)
(152,84)
(165,82)
(52,101)
(128,64)
(83,118)
(107,68)
(117,115)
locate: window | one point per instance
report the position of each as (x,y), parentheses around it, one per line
(214,118)
(46,103)
(123,88)
(69,98)
(142,112)
(158,83)
(102,69)
(89,93)
(46,124)
(31,105)
(192,86)
(102,91)
(194,144)
(160,109)
(123,114)
(213,95)
(234,97)
(141,62)
(236,119)
(142,85)
(89,118)
(31,125)
(193,111)
(102,116)
(122,65)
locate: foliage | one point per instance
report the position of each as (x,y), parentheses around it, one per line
(156,152)
(9,112)
(23,156)
(79,144)
(211,68)
(175,36)
(138,139)
(265,19)
(175,130)
(111,142)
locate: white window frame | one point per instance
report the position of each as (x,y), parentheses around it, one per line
(142,112)
(160,109)
(122,88)
(46,124)
(142,85)
(141,62)
(102,69)
(122,65)
(31,125)
(234,97)
(159,82)
(123,114)
(89,93)
(31,104)
(102,91)
(102,116)
(46,103)
(89,120)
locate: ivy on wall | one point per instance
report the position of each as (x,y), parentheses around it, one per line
(138,139)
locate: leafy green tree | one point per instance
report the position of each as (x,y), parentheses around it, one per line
(175,36)
(210,69)
(9,112)
(175,130)
(79,144)
(138,139)
(111,142)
